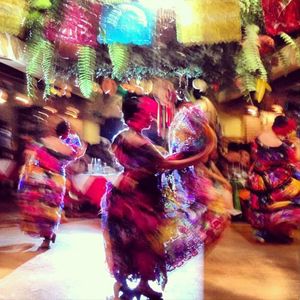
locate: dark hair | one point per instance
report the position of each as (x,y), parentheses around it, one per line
(283,125)
(62,128)
(198,94)
(280,122)
(130,106)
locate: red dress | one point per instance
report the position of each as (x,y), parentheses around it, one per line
(133,213)
(274,188)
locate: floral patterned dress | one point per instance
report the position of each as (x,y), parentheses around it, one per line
(275,190)
(41,190)
(194,206)
(133,213)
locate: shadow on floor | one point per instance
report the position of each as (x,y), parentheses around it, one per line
(13,256)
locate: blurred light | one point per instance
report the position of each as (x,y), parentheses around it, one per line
(51,109)
(158,4)
(44,114)
(278,109)
(72,109)
(3,96)
(22,99)
(71,114)
(252,110)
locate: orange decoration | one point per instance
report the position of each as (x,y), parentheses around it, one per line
(109,86)
(244,194)
(67,50)
(266,44)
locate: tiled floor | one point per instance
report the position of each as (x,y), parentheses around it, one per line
(74,268)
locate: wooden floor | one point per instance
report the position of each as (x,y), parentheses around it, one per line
(237,268)
(240,269)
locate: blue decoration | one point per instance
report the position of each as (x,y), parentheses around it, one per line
(126,23)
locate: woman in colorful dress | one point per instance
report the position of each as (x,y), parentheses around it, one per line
(42,185)
(197,210)
(133,213)
(275,191)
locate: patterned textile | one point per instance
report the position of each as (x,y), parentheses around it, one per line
(133,213)
(208,22)
(274,188)
(194,208)
(281,16)
(79,25)
(41,191)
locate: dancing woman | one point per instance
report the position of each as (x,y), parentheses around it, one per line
(42,184)
(133,212)
(196,208)
(275,190)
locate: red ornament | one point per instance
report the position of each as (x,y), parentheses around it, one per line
(215,87)
(266,45)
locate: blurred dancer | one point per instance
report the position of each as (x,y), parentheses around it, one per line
(42,184)
(133,213)
(197,211)
(275,191)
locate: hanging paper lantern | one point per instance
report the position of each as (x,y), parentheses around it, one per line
(126,23)
(203,21)
(76,37)
(281,16)
(12,16)
(78,28)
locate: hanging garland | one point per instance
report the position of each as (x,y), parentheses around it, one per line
(86,67)
(249,66)
(119,56)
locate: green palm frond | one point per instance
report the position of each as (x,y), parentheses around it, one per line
(249,65)
(290,42)
(119,56)
(86,69)
(251,12)
(39,54)
(34,56)
(47,66)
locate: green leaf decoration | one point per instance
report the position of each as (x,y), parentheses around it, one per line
(119,56)
(47,66)
(251,12)
(34,56)
(39,54)
(249,65)
(290,42)
(86,69)
(40,4)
